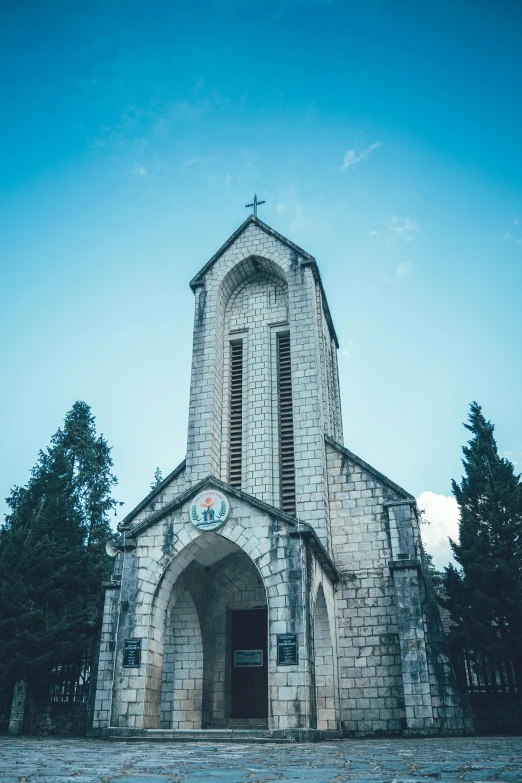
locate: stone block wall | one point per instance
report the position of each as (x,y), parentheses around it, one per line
(372,689)
(182,674)
(325,679)
(395,673)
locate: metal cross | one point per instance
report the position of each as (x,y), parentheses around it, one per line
(254,204)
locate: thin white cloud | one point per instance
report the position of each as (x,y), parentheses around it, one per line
(372,233)
(442,514)
(292,208)
(507,236)
(403,269)
(347,354)
(352,157)
(140,171)
(402,228)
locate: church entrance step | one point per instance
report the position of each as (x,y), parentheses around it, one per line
(239,723)
(197,735)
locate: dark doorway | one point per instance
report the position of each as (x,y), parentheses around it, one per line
(249,680)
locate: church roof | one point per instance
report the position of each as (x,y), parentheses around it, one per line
(158,489)
(307,260)
(298,528)
(371,470)
(198,279)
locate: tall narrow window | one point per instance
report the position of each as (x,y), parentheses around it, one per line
(236,412)
(286,424)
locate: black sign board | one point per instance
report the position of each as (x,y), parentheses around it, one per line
(287,649)
(132,653)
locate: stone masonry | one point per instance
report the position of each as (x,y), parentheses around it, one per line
(343,576)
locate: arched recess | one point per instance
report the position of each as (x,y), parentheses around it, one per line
(201,553)
(182,680)
(324,666)
(257,306)
(242,273)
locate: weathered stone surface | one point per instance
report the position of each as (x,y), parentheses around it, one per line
(345,575)
(33,760)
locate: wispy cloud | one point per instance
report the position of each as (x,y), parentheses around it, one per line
(347,354)
(352,157)
(402,228)
(291,206)
(372,233)
(140,171)
(403,269)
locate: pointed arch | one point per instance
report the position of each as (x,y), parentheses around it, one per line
(324,666)
(161,661)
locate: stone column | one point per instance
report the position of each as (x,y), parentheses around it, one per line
(16,721)
(405,567)
(102,704)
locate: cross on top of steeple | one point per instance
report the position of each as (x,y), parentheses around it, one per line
(254,204)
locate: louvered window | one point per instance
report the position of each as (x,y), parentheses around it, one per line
(286,424)
(236,412)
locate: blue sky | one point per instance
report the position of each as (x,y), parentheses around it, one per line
(385,138)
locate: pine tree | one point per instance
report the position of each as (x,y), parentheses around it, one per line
(158,478)
(93,481)
(52,558)
(485,594)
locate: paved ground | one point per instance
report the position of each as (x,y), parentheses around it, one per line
(41,760)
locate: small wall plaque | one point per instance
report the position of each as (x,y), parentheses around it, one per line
(287,649)
(132,653)
(248,658)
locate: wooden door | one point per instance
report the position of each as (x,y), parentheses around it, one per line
(249,680)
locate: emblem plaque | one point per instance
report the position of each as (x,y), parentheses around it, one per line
(209,510)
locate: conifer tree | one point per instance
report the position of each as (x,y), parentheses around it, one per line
(484,596)
(158,478)
(52,558)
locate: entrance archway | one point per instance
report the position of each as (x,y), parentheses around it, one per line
(324,666)
(214,646)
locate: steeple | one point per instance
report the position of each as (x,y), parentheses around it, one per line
(264,389)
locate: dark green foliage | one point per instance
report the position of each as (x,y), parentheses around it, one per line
(436,577)
(484,596)
(158,478)
(52,558)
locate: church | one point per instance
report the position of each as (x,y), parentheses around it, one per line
(273,584)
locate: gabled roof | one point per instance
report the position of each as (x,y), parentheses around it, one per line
(198,279)
(158,489)
(298,528)
(372,471)
(307,260)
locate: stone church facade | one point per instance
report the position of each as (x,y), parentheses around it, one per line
(273,583)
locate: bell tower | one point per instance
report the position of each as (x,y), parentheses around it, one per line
(264,387)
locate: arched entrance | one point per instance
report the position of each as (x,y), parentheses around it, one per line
(324,666)
(214,661)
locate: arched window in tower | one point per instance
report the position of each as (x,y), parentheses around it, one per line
(286,424)
(236,413)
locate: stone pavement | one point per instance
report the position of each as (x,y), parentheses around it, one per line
(61,760)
